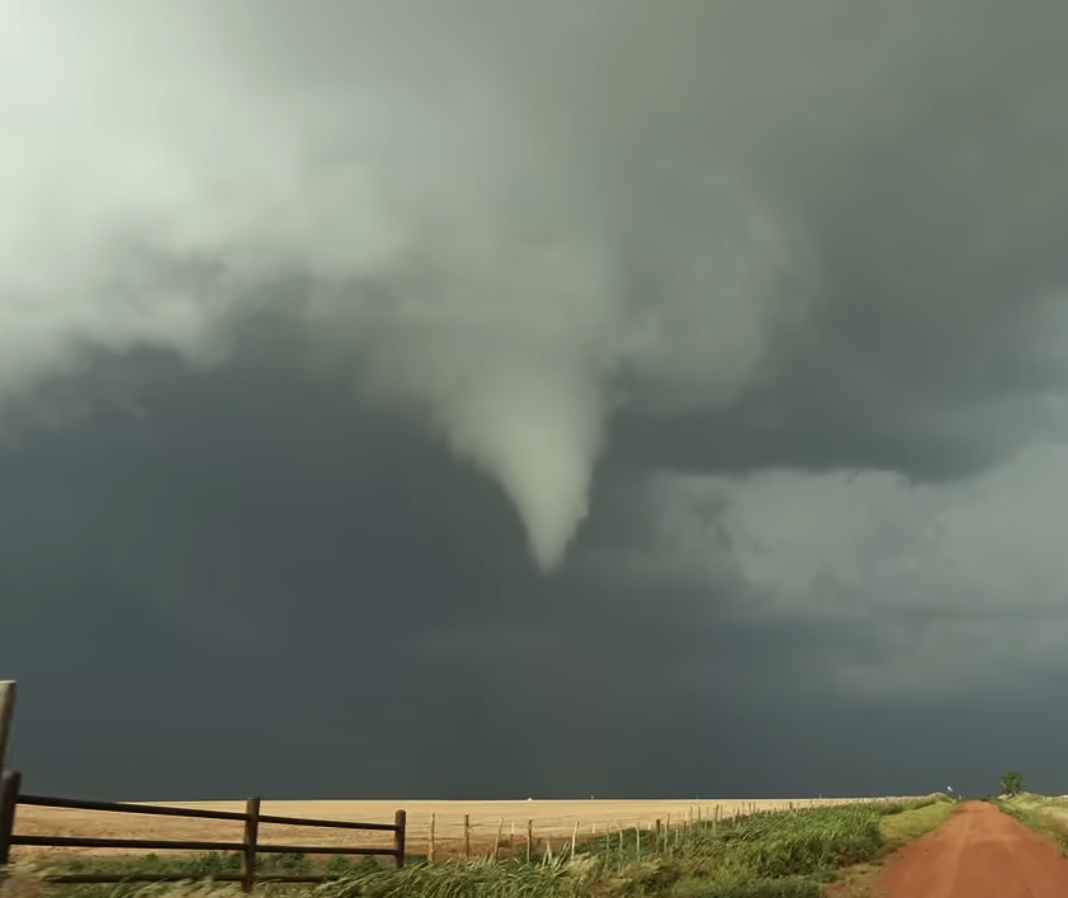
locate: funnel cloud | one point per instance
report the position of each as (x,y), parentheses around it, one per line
(516,223)
(169,181)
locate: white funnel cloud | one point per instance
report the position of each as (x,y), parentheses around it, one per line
(472,223)
(537,428)
(538,434)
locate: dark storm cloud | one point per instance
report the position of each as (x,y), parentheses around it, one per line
(256,586)
(937,335)
(661,275)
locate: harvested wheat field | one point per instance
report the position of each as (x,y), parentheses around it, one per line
(552,820)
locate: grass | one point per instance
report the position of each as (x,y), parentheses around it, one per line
(784,854)
(203,866)
(1046,816)
(896,831)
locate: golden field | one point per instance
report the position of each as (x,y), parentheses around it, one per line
(552,820)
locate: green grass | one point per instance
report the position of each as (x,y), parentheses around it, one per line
(787,854)
(203,866)
(895,831)
(1046,816)
(899,829)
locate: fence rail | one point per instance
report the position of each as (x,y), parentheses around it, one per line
(249,847)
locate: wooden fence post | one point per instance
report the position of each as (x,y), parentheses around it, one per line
(497,841)
(431,841)
(10,782)
(530,838)
(467,837)
(8,691)
(252,834)
(400,820)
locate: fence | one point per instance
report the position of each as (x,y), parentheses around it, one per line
(465,838)
(517,835)
(249,847)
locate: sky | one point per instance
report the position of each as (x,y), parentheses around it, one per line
(459,399)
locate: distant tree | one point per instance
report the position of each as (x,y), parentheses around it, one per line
(1011,782)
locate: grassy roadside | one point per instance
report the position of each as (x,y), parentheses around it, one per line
(1046,816)
(899,829)
(788,854)
(896,831)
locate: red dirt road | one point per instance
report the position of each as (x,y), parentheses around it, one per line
(977,853)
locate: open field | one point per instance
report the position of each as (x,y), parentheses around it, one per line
(1045,814)
(1053,806)
(553,820)
(796,854)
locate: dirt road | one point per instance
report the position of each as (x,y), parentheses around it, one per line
(977,853)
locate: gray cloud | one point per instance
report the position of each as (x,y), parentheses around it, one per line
(277,570)
(753,312)
(260,587)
